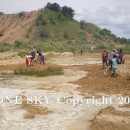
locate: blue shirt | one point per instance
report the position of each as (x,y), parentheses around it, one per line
(114,63)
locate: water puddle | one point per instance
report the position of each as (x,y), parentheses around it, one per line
(12,116)
(89,112)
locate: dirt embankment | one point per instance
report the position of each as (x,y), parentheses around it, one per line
(16,26)
(99,80)
(111,119)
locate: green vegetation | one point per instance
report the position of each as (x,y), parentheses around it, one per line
(21,45)
(53,6)
(53,22)
(66,11)
(58,31)
(54,26)
(22,54)
(107,33)
(1,33)
(43,33)
(54,29)
(5,47)
(40,20)
(50,71)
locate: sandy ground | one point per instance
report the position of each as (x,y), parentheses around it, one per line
(83,78)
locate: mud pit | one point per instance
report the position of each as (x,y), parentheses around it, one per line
(83,78)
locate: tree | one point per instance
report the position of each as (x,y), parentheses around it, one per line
(107,32)
(102,32)
(68,12)
(53,6)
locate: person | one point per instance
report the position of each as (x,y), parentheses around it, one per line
(28,60)
(81,51)
(117,56)
(33,53)
(104,57)
(118,51)
(34,49)
(121,56)
(114,66)
(111,56)
(92,47)
(41,57)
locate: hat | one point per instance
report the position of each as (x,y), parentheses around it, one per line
(113,49)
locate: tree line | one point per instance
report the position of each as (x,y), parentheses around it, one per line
(67,11)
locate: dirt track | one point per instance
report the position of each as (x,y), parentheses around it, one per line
(97,82)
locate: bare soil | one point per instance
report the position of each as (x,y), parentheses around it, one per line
(84,80)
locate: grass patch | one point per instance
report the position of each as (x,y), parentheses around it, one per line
(23,54)
(5,47)
(49,71)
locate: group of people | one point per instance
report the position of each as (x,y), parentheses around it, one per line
(32,56)
(112,60)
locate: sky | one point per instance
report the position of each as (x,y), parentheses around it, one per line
(110,14)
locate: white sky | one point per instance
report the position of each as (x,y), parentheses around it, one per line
(111,14)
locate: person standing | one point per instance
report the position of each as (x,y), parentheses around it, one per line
(81,51)
(114,66)
(104,58)
(121,56)
(33,53)
(111,56)
(92,47)
(41,58)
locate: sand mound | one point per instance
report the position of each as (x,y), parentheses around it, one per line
(51,54)
(111,119)
(66,54)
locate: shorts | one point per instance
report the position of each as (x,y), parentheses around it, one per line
(114,70)
(41,59)
(104,60)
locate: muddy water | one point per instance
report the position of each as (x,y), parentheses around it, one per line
(12,116)
(89,112)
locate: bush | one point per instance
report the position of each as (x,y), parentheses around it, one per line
(40,20)
(53,6)
(5,47)
(82,24)
(50,71)
(1,34)
(22,54)
(66,35)
(101,47)
(17,44)
(43,33)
